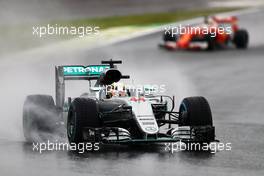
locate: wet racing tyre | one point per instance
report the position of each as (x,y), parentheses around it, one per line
(195,112)
(241,39)
(168,37)
(39,117)
(83,112)
(211,45)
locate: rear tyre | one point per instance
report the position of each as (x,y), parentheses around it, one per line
(39,117)
(168,37)
(196,113)
(241,39)
(83,112)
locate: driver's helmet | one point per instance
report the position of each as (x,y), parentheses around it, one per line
(206,18)
(209,21)
(118,89)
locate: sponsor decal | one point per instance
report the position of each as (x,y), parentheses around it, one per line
(90,70)
(150,129)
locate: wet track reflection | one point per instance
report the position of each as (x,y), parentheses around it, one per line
(232,80)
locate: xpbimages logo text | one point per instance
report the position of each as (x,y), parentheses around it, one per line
(49,30)
(64,146)
(213,147)
(197,30)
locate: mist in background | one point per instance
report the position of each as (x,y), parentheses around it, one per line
(22,74)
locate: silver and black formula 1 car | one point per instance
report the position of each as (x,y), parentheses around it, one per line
(112,116)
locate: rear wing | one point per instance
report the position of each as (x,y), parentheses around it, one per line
(79,72)
(230,19)
(74,72)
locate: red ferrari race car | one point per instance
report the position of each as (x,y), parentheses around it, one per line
(216,32)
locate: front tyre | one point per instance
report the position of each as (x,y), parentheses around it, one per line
(196,113)
(83,113)
(211,44)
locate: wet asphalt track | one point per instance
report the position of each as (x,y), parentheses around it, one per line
(232,80)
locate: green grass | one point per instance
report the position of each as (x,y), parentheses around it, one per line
(144,19)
